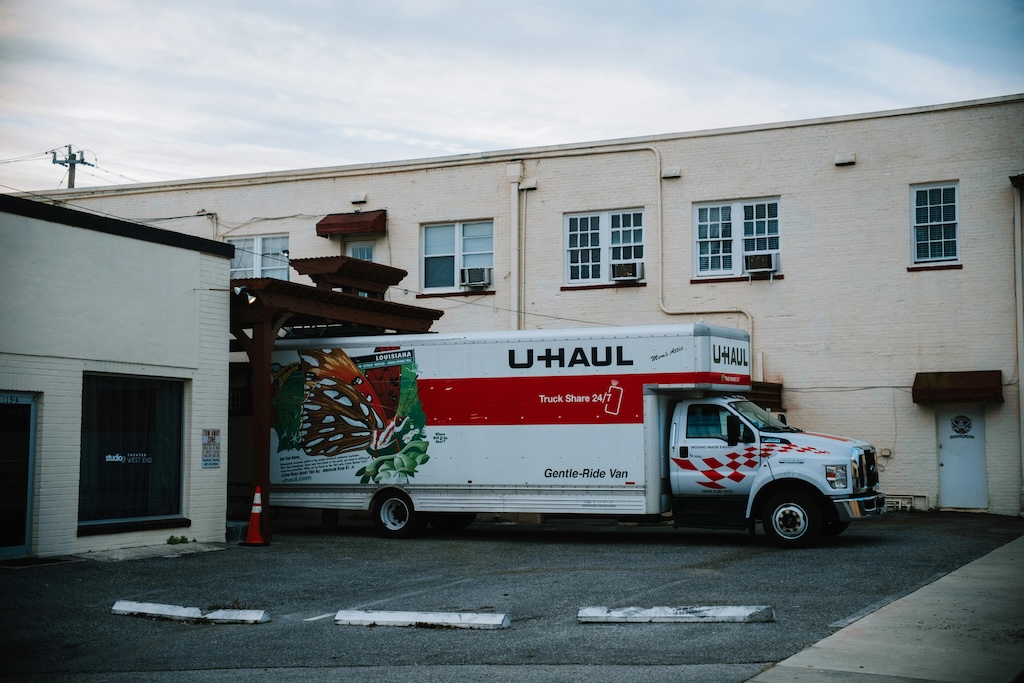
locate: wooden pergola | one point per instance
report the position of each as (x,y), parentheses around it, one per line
(347,299)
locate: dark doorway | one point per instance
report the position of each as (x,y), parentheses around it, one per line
(17,431)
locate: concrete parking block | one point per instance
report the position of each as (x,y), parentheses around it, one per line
(689,615)
(422,619)
(238,616)
(152,609)
(177,613)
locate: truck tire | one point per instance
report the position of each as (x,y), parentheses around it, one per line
(792,519)
(451,521)
(394,515)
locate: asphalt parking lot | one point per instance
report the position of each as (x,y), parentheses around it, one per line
(57,621)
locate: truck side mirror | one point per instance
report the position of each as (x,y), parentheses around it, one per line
(732,424)
(782,418)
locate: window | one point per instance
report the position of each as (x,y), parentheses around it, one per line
(935,219)
(707,422)
(712,422)
(360,250)
(604,247)
(131,449)
(736,238)
(451,248)
(260,257)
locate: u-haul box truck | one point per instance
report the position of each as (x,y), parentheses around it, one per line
(617,422)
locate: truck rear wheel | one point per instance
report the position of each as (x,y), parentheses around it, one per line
(395,517)
(792,519)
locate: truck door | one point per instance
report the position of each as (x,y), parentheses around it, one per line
(703,461)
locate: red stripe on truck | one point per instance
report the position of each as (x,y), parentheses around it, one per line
(558,399)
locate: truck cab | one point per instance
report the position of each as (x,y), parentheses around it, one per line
(731,463)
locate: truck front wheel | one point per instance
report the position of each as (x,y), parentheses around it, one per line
(395,517)
(792,520)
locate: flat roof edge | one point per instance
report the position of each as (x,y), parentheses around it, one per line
(52,213)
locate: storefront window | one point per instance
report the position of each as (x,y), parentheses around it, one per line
(131,449)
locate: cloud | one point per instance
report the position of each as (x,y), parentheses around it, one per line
(914,77)
(194,88)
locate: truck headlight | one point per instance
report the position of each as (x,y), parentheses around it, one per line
(836,477)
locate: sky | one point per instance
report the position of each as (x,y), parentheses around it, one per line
(154,91)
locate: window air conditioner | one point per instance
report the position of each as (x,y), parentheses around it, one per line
(761,263)
(475,277)
(625,272)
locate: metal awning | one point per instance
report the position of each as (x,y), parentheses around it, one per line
(367,223)
(958,387)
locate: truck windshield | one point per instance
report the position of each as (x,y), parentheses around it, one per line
(760,418)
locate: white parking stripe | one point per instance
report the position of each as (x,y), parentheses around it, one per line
(411,594)
(319,617)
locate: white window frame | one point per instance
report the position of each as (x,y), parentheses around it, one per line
(725,232)
(596,240)
(935,222)
(465,252)
(266,260)
(351,248)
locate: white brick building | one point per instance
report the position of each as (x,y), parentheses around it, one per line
(861,252)
(113,373)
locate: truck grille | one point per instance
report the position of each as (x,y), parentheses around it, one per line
(867,471)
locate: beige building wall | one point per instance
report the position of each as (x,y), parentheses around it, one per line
(80,301)
(846,323)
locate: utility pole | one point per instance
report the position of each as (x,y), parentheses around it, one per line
(71,161)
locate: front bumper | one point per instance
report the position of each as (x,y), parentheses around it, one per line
(860,507)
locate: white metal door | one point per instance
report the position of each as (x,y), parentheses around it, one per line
(963,473)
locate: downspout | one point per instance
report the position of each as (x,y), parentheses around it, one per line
(1018,288)
(514,173)
(756,373)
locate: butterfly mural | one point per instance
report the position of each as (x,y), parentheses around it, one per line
(341,411)
(328,406)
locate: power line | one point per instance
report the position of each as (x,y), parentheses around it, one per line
(119,175)
(104,170)
(27,157)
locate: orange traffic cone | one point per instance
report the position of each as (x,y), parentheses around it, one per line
(254,536)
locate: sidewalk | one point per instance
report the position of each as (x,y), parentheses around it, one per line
(966,627)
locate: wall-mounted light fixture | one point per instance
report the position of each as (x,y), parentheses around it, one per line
(528,184)
(671,172)
(848,159)
(359,198)
(250,298)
